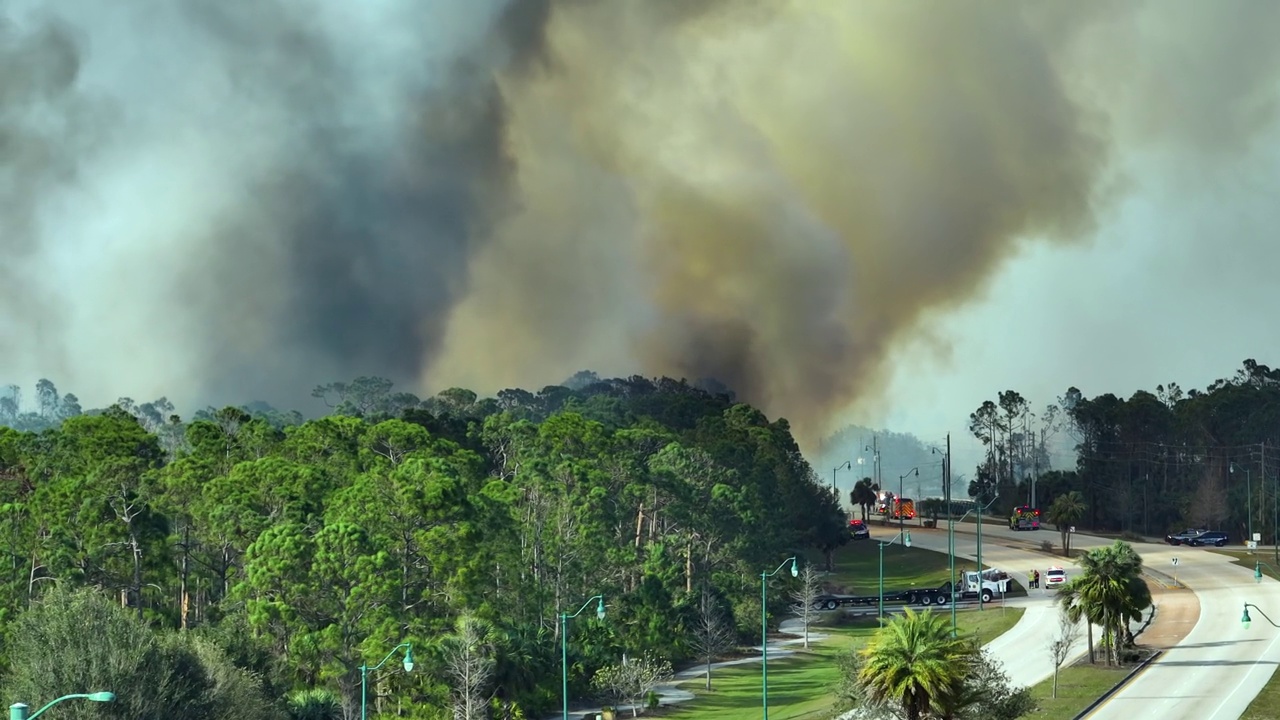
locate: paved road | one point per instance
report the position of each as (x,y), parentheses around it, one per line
(1217,670)
(1220,667)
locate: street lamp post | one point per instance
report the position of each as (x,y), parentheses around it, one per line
(764,630)
(364,672)
(906,542)
(564,646)
(1257,570)
(1245,620)
(902,518)
(951,525)
(1248,478)
(846,465)
(980,508)
(874,449)
(18,711)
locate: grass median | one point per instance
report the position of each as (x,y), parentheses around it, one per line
(801,686)
(856,567)
(856,570)
(1078,686)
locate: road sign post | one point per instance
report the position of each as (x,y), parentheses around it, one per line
(1175,572)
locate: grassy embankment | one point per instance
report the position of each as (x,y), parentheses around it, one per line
(801,686)
(1078,686)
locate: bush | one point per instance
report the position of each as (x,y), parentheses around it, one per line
(315,704)
(1046,545)
(102,646)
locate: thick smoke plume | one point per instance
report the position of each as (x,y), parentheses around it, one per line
(243,199)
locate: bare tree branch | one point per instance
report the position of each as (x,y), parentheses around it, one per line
(805,596)
(468,655)
(713,634)
(1060,649)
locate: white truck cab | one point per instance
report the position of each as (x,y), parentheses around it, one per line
(989,585)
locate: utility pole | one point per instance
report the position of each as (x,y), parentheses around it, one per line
(951,537)
(875,451)
(1035,464)
(1262,488)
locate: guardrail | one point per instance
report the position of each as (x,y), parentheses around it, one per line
(1161,579)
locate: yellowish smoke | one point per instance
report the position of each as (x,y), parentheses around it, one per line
(766,193)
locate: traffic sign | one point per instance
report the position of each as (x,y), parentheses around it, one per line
(1175,562)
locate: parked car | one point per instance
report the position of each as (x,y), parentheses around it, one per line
(1184,537)
(859,530)
(1214,538)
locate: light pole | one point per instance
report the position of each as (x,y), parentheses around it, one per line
(951,525)
(1257,570)
(364,672)
(1245,619)
(18,711)
(764,629)
(564,646)
(980,508)
(906,542)
(1248,478)
(846,465)
(902,518)
(874,449)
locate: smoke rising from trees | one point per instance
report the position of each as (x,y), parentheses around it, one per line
(247,199)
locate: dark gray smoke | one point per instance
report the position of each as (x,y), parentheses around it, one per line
(223,200)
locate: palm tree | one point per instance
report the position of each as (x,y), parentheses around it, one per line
(1079,602)
(1065,512)
(314,704)
(914,662)
(1110,593)
(864,495)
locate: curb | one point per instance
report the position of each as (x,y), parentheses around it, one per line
(1163,580)
(1116,688)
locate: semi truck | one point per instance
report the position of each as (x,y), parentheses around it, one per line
(991,584)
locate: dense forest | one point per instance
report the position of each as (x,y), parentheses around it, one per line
(261,554)
(295,551)
(1160,460)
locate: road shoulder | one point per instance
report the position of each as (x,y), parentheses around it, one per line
(1177,612)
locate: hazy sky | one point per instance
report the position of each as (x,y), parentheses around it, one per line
(885,211)
(1178,284)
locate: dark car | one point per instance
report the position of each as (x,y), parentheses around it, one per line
(858,530)
(1216,539)
(1184,538)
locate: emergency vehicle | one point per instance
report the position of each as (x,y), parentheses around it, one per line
(1025,517)
(1054,577)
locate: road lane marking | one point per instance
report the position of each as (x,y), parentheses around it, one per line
(1240,684)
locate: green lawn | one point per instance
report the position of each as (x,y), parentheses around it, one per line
(857,567)
(801,686)
(1078,686)
(1247,559)
(1265,703)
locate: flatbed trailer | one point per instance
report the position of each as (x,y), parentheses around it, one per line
(990,586)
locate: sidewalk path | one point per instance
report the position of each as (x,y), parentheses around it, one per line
(669,694)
